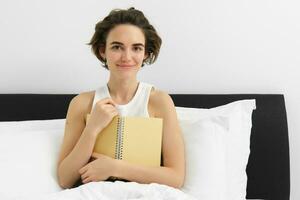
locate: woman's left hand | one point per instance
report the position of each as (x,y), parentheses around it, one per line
(101,168)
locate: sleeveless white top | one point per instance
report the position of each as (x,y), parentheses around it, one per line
(137,106)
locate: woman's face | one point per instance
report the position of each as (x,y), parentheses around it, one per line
(125,50)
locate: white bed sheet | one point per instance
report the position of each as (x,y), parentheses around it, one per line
(118,190)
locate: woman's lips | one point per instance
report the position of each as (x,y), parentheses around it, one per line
(125,66)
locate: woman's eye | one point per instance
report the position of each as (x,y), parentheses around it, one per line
(119,47)
(116,47)
(138,49)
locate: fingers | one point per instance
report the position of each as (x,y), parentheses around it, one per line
(83,170)
(109,105)
(84,175)
(107,100)
(110,108)
(113,111)
(86,178)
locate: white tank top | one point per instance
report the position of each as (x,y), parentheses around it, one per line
(137,106)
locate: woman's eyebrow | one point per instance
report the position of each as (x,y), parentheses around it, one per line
(138,44)
(120,43)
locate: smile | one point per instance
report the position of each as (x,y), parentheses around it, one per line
(126,67)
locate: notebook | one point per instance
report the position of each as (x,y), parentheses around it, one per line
(134,139)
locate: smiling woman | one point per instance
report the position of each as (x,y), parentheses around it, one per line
(123,41)
(151,41)
(124,50)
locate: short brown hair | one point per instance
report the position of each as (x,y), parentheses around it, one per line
(130,16)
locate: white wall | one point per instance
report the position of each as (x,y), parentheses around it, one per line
(215,46)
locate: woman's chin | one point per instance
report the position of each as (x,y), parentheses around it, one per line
(126,75)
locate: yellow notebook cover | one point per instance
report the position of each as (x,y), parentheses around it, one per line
(134,139)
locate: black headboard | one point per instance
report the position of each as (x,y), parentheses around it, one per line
(268,168)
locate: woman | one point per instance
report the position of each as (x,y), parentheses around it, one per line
(123,41)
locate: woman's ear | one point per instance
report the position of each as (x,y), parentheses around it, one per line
(146,56)
(102,52)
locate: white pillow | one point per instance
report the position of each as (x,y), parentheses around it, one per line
(28,157)
(205,157)
(217,141)
(31,125)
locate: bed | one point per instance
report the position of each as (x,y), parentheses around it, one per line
(268,169)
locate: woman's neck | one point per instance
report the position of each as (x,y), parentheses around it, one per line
(122,91)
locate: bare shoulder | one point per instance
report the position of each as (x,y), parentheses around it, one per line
(161,102)
(82,103)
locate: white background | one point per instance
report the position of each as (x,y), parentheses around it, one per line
(233,46)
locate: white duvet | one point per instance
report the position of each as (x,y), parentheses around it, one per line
(117,190)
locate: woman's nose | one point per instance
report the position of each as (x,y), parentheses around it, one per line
(126,55)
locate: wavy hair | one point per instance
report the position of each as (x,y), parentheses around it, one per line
(130,16)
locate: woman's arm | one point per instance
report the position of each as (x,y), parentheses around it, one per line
(142,174)
(173,171)
(77,145)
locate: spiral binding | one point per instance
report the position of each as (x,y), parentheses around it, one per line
(119,140)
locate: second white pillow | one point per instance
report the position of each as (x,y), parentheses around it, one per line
(226,131)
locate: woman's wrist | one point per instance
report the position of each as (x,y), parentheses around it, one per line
(90,132)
